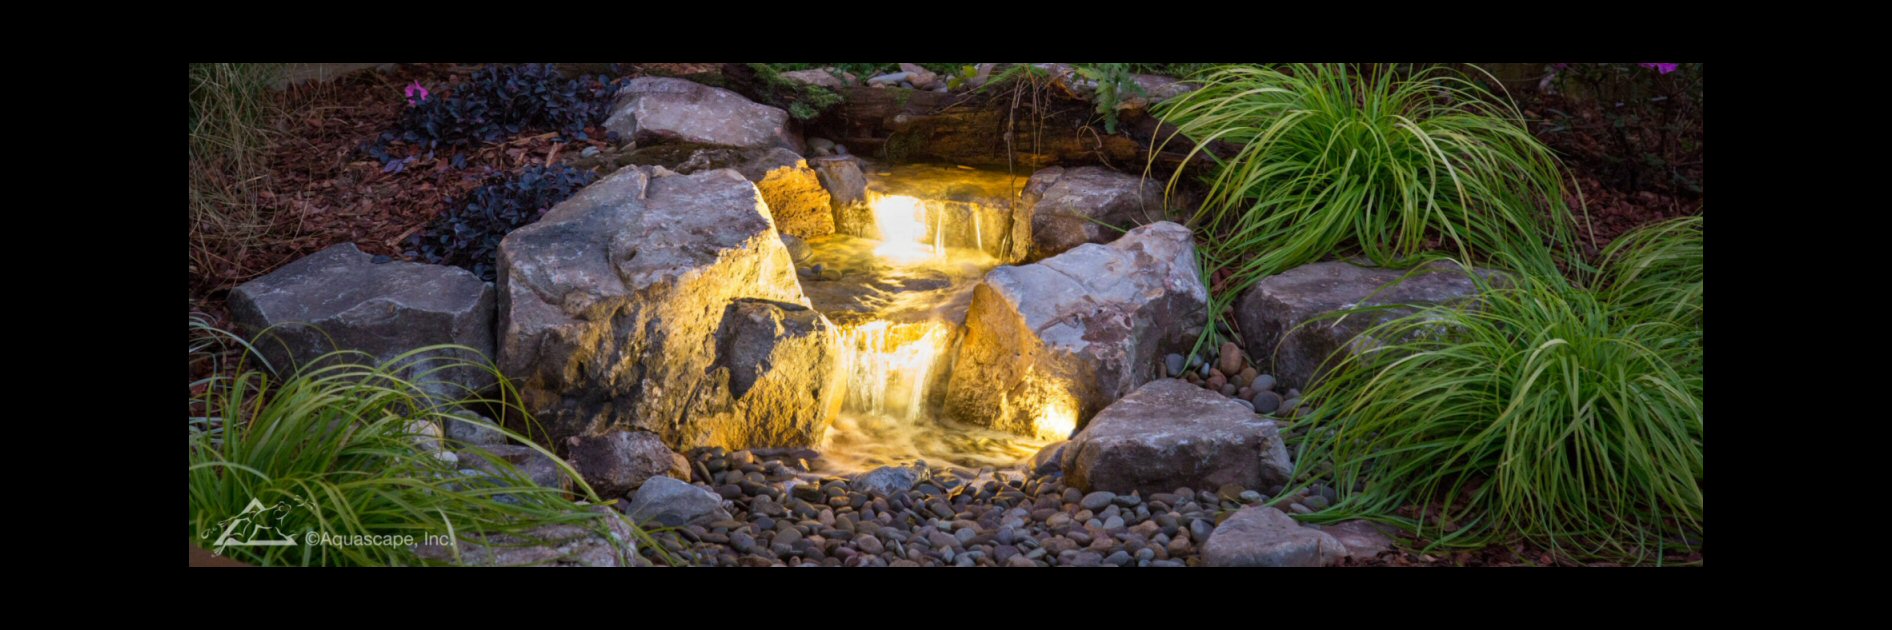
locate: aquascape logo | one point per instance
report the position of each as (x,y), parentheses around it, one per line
(256,526)
(261,525)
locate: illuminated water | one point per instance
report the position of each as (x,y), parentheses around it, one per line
(898,300)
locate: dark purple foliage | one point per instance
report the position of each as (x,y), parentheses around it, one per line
(496,103)
(468,236)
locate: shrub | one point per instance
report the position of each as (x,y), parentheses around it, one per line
(335,446)
(468,236)
(1542,412)
(499,102)
(1327,159)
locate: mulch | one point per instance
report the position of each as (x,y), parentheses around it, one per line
(1617,194)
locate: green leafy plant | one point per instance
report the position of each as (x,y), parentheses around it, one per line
(1542,411)
(1312,161)
(340,449)
(1113,81)
(803,101)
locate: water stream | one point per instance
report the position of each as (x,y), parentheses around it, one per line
(897,284)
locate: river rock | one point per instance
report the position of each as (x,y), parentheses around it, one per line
(675,503)
(1279,303)
(1168,434)
(664,302)
(1072,206)
(618,462)
(339,299)
(1049,344)
(666,109)
(887,480)
(1258,536)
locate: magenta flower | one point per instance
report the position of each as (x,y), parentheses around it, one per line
(413,89)
(1663,68)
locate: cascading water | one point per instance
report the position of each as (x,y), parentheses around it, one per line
(897,290)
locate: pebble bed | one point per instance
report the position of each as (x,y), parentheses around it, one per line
(783,515)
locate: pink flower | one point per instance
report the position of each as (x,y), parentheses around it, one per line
(415,88)
(1663,68)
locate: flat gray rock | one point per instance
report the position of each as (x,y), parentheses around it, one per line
(665,109)
(339,299)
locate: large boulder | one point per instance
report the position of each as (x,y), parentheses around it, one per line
(1047,345)
(797,201)
(1272,312)
(1261,536)
(340,299)
(664,109)
(613,307)
(1072,206)
(1170,434)
(618,462)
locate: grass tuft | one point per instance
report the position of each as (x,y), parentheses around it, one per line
(339,446)
(1316,161)
(1545,411)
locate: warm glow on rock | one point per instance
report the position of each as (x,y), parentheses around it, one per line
(1056,420)
(902,223)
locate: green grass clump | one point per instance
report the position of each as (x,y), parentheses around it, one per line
(1545,411)
(1656,269)
(337,445)
(1331,160)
